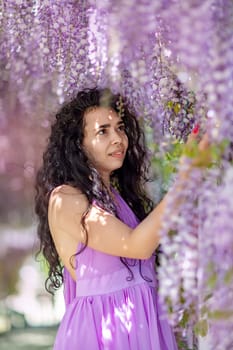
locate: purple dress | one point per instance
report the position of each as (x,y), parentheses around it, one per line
(105,310)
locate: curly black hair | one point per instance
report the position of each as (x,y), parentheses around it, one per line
(65,162)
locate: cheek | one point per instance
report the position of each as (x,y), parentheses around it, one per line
(89,145)
(93,151)
(126,142)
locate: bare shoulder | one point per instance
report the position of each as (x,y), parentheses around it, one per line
(63,191)
(67,198)
(66,204)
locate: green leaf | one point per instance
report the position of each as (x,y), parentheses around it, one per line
(172,233)
(228,276)
(176,108)
(213,276)
(221,314)
(204,310)
(185,318)
(201,328)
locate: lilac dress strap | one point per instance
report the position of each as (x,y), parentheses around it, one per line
(124,212)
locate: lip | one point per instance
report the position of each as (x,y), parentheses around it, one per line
(118,154)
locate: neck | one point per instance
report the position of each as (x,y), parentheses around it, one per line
(107,183)
(106,180)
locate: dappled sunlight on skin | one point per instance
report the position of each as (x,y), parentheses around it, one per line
(57,199)
(65,199)
(56,202)
(97,214)
(66,208)
(105,141)
(97,126)
(124,315)
(109,117)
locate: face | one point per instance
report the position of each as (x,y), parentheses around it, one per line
(105,141)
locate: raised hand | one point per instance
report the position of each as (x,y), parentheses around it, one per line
(198,151)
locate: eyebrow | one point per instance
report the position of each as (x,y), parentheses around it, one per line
(105,126)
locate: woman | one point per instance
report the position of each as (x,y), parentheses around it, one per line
(96,220)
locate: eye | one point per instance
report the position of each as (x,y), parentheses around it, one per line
(101,132)
(122,127)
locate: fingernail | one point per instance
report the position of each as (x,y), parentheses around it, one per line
(195,129)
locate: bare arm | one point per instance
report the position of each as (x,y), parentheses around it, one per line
(106,233)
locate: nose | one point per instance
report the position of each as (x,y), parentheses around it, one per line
(116,137)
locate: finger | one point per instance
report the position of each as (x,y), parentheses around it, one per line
(204,143)
(196,129)
(194,134)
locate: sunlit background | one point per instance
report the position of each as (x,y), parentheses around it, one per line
(24,303)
